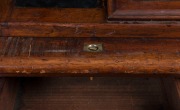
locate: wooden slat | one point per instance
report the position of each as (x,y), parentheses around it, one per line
(125,64)
(172,87)
(30,29)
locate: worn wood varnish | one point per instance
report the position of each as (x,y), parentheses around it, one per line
(65,56)
(91,30)
(139,64)
(130,47)
(49,42)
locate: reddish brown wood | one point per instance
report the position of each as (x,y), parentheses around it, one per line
(143,10)
(124,64)
(5,12)
(5,9)
(49,42)
(91,26)
(9,12)
(58,15)
(58,47)
(65,56)
(8,94)
(173,92)
(153,30)
(46,15)
(44,22)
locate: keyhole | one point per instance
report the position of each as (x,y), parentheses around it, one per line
(93,47)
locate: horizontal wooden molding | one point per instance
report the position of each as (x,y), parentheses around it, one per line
(30,29)
(117,65)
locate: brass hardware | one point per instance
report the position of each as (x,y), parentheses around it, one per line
(93,47)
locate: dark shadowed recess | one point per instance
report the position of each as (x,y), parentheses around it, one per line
(98,93)
(59,3)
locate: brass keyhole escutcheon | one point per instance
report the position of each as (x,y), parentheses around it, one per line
(93,48)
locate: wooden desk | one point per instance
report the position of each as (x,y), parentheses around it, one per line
(40,39)
(137,39)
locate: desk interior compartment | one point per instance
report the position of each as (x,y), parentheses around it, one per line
(83,93)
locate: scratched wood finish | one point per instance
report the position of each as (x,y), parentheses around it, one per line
(24,47)
(13,29)
(172,86)
(139,65)
(27,48)
(143,10)
(44,22)
(65,57)
(125,45)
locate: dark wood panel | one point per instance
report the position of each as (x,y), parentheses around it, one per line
(172,86)
(98,94)
(143,10)
(2,82)
(154,30)
(8,94)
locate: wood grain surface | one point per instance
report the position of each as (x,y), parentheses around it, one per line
(50,41)
(91,30)
(146,64)
(65,56)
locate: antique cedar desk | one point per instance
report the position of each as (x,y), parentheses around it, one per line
(139,39)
